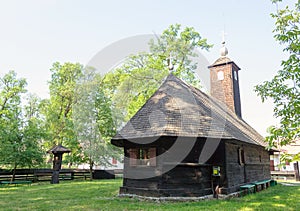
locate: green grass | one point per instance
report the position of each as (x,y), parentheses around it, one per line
(101,195)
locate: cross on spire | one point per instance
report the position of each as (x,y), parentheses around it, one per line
(170,64)
(223,37)
(223,50)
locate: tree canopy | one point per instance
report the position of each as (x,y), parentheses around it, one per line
(59,108)
(93,120)
(19,129)
(140,75)
(283,88)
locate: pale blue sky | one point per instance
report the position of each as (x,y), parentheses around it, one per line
(36,33)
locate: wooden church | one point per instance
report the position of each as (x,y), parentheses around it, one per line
(183,142)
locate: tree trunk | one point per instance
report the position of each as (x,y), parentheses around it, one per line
(91,169)
(14,173)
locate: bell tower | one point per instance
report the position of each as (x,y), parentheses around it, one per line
(224,81)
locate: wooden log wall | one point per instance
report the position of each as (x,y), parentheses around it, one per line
(256,165)
(188,178)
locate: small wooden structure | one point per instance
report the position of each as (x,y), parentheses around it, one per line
(58,152)
(183,142)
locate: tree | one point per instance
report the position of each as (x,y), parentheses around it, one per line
(19,136)
(59,108)
(93,120)
(35,120)
(140,75)
(283,88)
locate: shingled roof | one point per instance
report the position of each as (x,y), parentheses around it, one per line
(178,109)
(59,149)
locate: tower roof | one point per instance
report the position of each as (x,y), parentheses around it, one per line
(223,60)
(178,109)
(59,149)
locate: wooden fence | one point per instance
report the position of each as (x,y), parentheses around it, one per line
(36,175)
(283,175)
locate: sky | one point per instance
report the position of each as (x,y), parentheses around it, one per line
(35,34)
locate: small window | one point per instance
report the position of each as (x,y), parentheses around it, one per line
(260,158)
(241,155)
(235,75)
(142,157)
(220,75)
(114,161)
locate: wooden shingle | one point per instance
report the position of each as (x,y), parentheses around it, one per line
(178,109)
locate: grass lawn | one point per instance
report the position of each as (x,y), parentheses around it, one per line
(101,195)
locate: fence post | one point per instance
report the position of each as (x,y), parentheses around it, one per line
(296,167)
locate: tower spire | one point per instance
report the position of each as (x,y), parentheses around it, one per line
(223,50)
(224,81)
